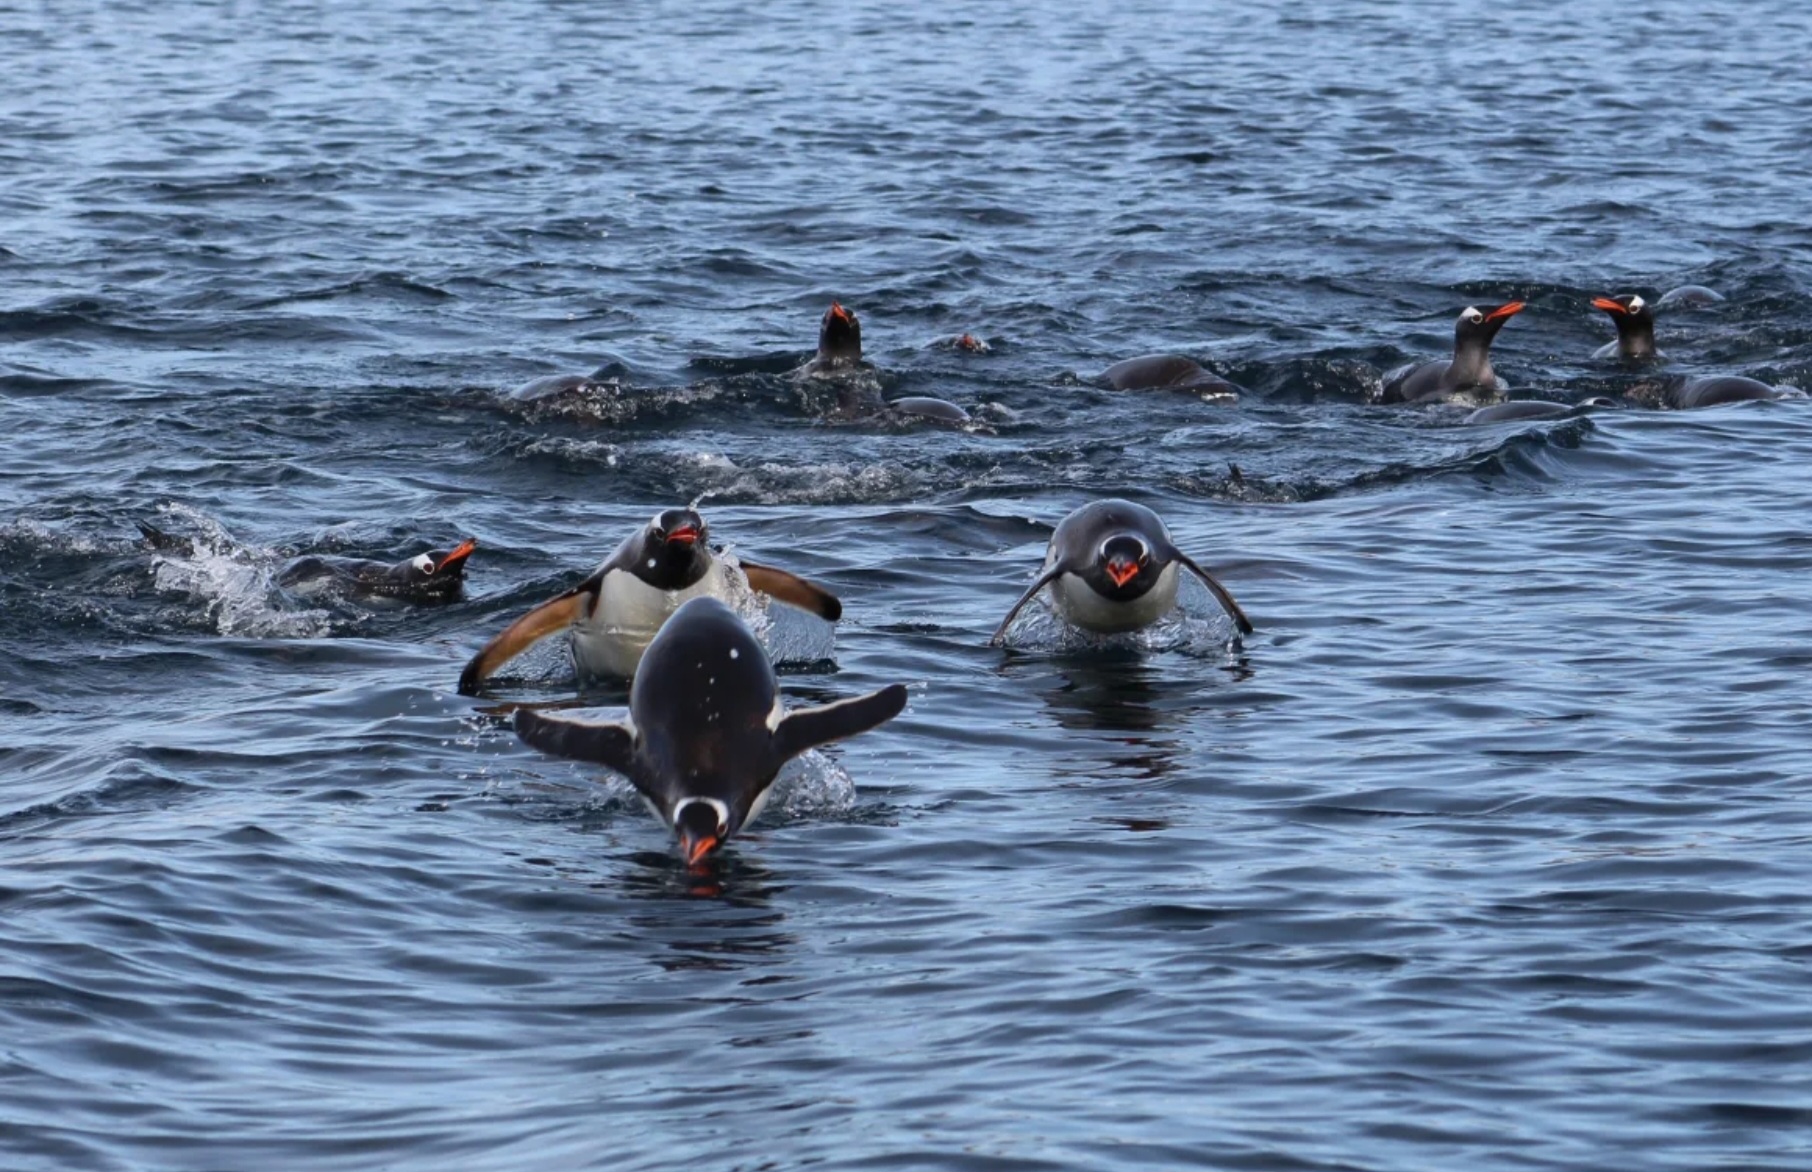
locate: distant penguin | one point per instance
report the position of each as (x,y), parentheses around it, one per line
(436,576)
(615,613)
(1635,321)
(1519,409)
(1112,566)
(707,732)
(1470,365)
(1711,390)
(857,383)
(1167,372)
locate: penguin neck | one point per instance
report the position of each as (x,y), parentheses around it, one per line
(1635,338)
(1471,364)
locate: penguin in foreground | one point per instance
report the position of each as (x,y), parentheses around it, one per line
(614,613)
(1111,566)
(1171,372)
(839,358)
(435,576)
(707,731)
(1469,367)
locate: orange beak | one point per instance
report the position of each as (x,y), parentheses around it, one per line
(460,553)
(837,311)
(1122,571)
(684,535)
(1609,306)
(695,849)
(1510,310)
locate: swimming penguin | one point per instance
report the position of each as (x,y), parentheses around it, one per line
(858,384)
(1711,390)
(1520,409)
(1111,566)
(707,731)
(1167,372)
(1635,320)
(1469,367)
(436,576)
(613,614)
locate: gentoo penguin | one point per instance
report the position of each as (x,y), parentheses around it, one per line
(1111,566)
(858,384)
(1167,372)
(1469,367)
(1635,320)
(1519,409)
(613,614)
(707,731)
(839,344)
(436,576)
(1712,390)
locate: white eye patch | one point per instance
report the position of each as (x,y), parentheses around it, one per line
(422,562)
(1636,303)
(1471,314)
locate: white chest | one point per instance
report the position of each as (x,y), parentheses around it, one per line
(1088,610)
(610,641)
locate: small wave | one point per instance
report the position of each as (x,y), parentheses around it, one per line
(1196,625)
(233,581)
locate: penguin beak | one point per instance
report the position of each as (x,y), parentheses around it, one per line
(459,554)
(696,848)
(1504,311)
(684,535)
(1122,570)
(837,311)
(1609,306)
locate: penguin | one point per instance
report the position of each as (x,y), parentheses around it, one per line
(1469,367)
(707,731)
(1111,566)
(432,577)
(1635,321)
(1519,409)
(614,613)
(857,383)
(1167,372)
(839,345)
(1711,390)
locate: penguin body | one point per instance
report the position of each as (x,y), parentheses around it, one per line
(707,730)
(1112,566)
(615,613)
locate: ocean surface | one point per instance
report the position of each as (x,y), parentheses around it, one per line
(1491,848)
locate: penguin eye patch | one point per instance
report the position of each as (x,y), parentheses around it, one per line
(423,562)
(1635,304)
(1471,314)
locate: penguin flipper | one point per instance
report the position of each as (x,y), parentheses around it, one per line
(606,743)
(522,634)
(1044,579)
(794,591)
(1220,593)
(810,727)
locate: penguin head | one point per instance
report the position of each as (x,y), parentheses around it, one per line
(840,336)
(1626,309)
(702,825)
(1476,327)
(1124,567)
(674,554)
(435,570)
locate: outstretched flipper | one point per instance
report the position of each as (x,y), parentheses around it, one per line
(524,633)
(1044,579)
(794,590)
(1220,593)
(607,743)
(810,727)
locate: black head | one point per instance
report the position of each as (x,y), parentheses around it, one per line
(438,571)
(702,824)
(673,554)
(1124,567)
(1476,327)
(840,336)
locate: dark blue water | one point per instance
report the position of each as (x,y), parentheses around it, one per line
(1490,848)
